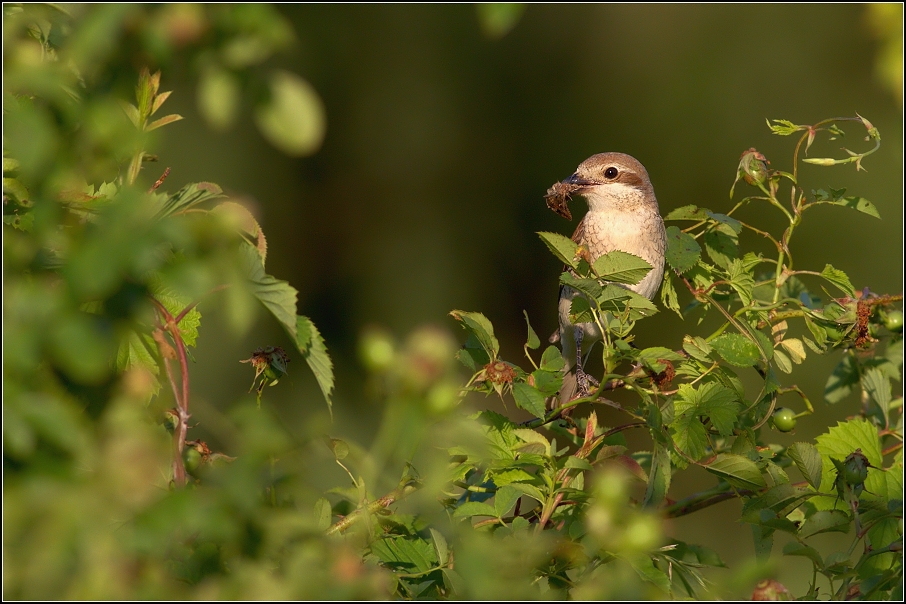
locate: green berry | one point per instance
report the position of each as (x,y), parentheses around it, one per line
(784,419)
(893,321)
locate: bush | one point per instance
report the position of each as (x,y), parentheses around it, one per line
(107,275)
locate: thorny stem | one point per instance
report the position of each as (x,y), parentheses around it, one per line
(181,395)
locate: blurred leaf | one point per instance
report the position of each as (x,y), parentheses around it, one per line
(218,97)
(683,250)
(794,548)
(474,508)
(441,547)
(167,119)
(658,477)
(878,388)
(188,197)
(842,380)
(645,568)
(293,120)
(323,514)
(497,19)
(505,499)
(405,553)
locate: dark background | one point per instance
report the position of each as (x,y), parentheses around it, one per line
(441,141)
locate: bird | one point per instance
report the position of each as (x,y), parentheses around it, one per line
(623,215)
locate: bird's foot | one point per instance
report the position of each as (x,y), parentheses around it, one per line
(584,382)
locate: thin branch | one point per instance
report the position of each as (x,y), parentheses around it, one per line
(401,492)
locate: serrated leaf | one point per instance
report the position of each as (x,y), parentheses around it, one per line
(479,325)
(562,247)
(548,383)
(669,297)
(736,349)
(690,212)
(474,508)
(510,476)
(532,341)
(784,127)
(529,491)
(589,287)
(658,477)
(683,250)
(277,296)
(734,224)
(808,461)
(529,398)
(188,197)
(824,521)
(838,278)
(839,442)
(737,470)
(310,343)
(406,553)
(621,267)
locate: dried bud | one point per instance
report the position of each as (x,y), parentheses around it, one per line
(499,372)
(771,590)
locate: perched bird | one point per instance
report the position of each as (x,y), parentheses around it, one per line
(622,215)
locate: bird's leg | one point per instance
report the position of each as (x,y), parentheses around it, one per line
(582,379)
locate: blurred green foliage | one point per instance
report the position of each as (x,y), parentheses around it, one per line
(106,277)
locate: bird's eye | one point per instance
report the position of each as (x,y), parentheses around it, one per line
(611,172)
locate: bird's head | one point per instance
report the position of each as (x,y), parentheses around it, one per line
(612,181)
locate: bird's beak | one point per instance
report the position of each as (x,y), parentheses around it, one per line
(578,181)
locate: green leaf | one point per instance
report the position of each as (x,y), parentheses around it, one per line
(621,267)
(658,477)
(737,470)
(474,508)
(576,463)
(783,362)
(683,250)
(293,120)
(175,304)
(690,212)
(876,384)
(498,18)
(441,547)
(808,460)
(698,348)
(552,359)
(645,568)
(189,196)
(589,287)
(405,553)
(784,127)
(218,97)
(529,398)
(510,476)
(533,437)
(794,548)
(532,341)
(838,278)
(529,491)
(277,296)
(323,514)
(563,248)
(617,299)
(723,219)
(856,203)
(310,343)
(548,383)
(167,119)
(669,297)
(825,521)
(736,349)
(478,325)
(721,248)
(505,499)
(837,443)
(842,380)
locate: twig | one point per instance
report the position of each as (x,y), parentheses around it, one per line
(160,181)
(401,492)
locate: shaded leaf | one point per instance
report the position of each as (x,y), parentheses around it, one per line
(310,343)
(529,398)
(479,325)
(838,278)
(824,521)
(532,341)
(736,349)
(737,470)
(808,460)
(683,250)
